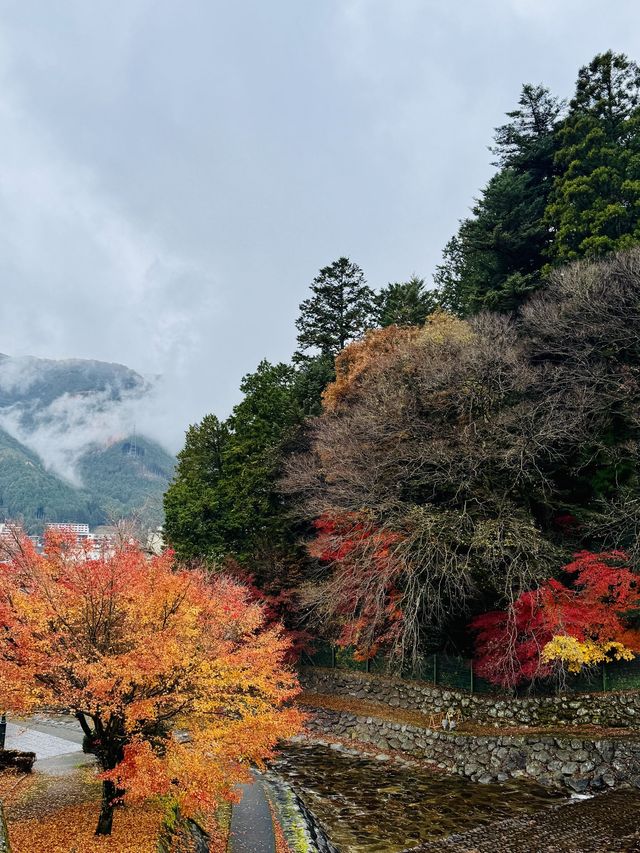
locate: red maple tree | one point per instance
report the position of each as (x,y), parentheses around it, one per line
(362,597)
(592,606)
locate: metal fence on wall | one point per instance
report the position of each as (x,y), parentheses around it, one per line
(458,674)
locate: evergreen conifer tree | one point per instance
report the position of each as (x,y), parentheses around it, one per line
(494,261)
(224,500)
(406,303)
(339,310)
(594,208)
(193,504)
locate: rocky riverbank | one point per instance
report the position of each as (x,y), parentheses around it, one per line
(578,763)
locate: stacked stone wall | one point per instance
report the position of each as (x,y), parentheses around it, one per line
(575,762)
(611,710)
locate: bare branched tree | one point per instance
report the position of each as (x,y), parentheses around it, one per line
(468,441)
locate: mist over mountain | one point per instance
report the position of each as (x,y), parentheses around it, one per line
(69,447)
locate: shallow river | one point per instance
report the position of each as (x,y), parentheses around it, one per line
(369,806)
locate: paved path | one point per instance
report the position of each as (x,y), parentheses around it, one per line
(251,824)
(45,741)
(57,743)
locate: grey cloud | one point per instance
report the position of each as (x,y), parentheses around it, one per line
(172,175)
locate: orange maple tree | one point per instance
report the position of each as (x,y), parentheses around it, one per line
(358,358)
(175,679)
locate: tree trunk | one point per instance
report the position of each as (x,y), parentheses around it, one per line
(105,820)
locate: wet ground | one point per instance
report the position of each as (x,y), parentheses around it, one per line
(371,806)
(251,824)
(606,823)
(57,743)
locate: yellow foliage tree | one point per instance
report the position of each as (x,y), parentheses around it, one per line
(353,362)
(576,654)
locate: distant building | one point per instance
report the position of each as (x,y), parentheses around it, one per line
(96,545)
(70,527)
(10,530)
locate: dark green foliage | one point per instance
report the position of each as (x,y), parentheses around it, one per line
(339,311)
(223,501)
(406,303)
(312,377)
(128,478)
(193,504)
(450,278)
(567,188)
(494,262)
(259,426)
(30,493)
(595,205)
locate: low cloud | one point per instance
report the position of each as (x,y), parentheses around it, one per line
(84,278)
(61,427)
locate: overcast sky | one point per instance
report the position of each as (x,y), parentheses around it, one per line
(174,172)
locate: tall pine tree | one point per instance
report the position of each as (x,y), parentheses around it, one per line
(339,310)
(494,261)
(594,208)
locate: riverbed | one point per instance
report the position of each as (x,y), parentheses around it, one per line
(367,805)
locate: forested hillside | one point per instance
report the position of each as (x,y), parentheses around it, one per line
(128,477)
(64,454)
(28,491)
(424,473)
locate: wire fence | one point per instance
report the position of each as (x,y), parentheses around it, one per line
(457,673)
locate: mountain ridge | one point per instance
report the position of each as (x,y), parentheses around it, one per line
(67,450)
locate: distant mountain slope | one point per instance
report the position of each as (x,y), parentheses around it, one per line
(28,491)
(35,383)
(65,451)
(128,477)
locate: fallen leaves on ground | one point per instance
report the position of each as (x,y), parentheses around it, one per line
(35,795)
(366,708)
(71,830)
(14,786)
(58,814)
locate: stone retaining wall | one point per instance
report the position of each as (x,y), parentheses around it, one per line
(577,763)
(602,709)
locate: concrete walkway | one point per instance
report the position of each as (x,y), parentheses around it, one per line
(251,824)
(56,743)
